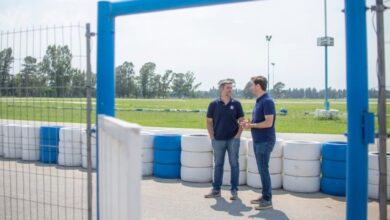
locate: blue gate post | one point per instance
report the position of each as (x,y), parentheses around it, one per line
(360,121)
(105,92)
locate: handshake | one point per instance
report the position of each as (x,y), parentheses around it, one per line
(246,124)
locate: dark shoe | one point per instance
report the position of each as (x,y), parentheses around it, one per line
(234,195)
(256,201)
(213,194)
(264,204)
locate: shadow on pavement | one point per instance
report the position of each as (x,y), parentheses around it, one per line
(270,214)
(234,208)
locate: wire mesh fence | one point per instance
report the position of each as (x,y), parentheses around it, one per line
(43,115)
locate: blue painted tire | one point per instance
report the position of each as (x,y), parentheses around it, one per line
(336,151)
(49,157)
(50,132)
(166,171)
(334,169)
(167,157)
(334,187)
(167,142)
(48,142)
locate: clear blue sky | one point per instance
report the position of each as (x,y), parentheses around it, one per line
(221,41)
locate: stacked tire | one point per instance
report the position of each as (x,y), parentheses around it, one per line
(12,141)
(48,144)
(167,152)
(334,168)
(301,166)
(1,139)
(147,153)
(275,167)
(373,175)
(84,150)
(30,143)
(196,159)
(69,147)
(242,159)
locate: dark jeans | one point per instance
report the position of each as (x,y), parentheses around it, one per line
(263,153)
(220,147)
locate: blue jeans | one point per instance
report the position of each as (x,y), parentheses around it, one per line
(263,153)
(220,147)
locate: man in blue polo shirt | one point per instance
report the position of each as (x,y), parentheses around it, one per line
(263,133)
(223,124)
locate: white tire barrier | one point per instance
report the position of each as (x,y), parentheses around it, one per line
(147,169)
(71,134)
(196,143)
(196,159)
(147,155)
(373,191)
(303,168)
(70,147)
(12,141)
(196,175)
(242,160)
(301,184)
(302,150)
(254,180)
(30,143)
(84,151)
(277,152)
(243,146)
(373,161)
(373,175)
(275,165)
(147,140)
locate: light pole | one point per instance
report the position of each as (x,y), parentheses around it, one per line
(273,76)
(326,42)
(268,39)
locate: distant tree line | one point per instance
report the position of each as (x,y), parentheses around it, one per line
(54,76)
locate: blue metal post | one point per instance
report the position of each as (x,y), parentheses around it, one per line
(326,104)
(357,105)
(105,93)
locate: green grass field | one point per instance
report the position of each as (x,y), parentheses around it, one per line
(300,117)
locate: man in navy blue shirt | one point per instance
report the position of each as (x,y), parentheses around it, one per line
(223,124)
(263,133)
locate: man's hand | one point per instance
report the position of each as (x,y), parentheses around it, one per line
(245,124)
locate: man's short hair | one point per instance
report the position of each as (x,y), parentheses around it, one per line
(224,82)
(260,80)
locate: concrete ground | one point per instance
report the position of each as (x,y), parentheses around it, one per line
(30,190)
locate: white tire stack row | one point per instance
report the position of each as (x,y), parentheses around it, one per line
(12,141)
(302,166)
(69,147)
(275,166)
(84,150)
(30,143)
(147,153)
(196,158)
(373,175)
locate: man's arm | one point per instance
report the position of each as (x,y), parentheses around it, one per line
(210,127)
(238,135)
(267,123)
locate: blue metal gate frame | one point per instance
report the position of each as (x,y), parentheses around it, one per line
(360,120)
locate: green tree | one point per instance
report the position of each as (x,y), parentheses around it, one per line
(6,60)
(247,92)
(125,79)
(56,65)
(147,73)
(183,85)
(277,92)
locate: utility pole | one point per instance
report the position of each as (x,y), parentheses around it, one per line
(268,39)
